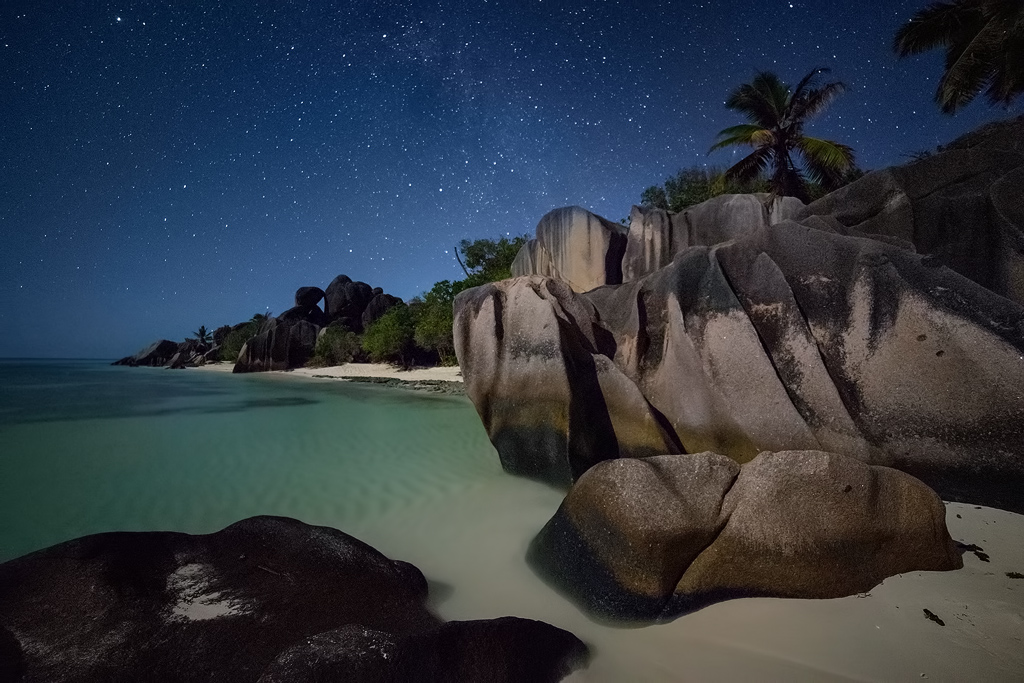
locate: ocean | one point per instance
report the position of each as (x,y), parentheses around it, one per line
(86,447)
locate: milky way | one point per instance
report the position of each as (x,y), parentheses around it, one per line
(165,165)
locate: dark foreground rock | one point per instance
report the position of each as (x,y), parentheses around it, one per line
(648,539)
(267,598)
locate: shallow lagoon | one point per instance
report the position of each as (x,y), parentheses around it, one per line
(85,447)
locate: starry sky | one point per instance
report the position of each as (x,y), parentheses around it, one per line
(165,165)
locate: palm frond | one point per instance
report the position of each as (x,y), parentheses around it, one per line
(826,154)
(937,25)
(758,100)
(818,99)
(969,67)
(750,166)
(775,91)
(1008,75)
(806,81)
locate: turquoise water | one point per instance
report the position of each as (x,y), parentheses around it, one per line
(87,447)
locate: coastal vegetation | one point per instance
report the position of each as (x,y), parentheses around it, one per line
(984,44)
(421,331)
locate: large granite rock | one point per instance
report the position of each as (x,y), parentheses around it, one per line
(307,297)
(267,598)
(787,338)
(380,304)
(284,342)
(189,354)
(648,539)
(963,205)
(346,300)
(575,246)
(157,354)
(537,368)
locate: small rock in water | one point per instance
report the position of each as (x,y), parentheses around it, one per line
(931,616)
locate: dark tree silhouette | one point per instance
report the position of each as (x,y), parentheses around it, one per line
(984,43)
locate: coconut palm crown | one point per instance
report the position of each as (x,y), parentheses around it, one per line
(776,132)
(202,335)
(984,42)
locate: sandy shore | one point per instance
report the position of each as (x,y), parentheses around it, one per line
(442,374)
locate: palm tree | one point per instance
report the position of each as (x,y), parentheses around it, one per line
(984,42)
(776,132)
(202,335)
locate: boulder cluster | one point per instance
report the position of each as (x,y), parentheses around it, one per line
(818,348)
(288,340)
(283,342)
(172,354)
(266,599)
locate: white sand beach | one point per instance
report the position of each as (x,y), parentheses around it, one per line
(442,373)
(885,634)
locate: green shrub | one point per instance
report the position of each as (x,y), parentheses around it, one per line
(236,339)
(433,317)
(390,338)
(335,345)
(691,186)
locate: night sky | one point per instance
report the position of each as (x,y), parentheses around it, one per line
(165,165)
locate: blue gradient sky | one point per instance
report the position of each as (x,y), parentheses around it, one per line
(165,165)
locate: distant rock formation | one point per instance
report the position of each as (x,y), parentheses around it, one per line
(289,340)
(647,539)
(284,342)
(157,354)
(307,297)
(346,300)
(281,343)
(268,599)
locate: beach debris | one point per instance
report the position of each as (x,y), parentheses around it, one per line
(931,616)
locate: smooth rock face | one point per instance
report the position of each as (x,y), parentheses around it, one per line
(652,538)
(534,365)
(575,246)
(284,342)
(656,236)
(786,338)
(963,205)
(156,354)
(263,599)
